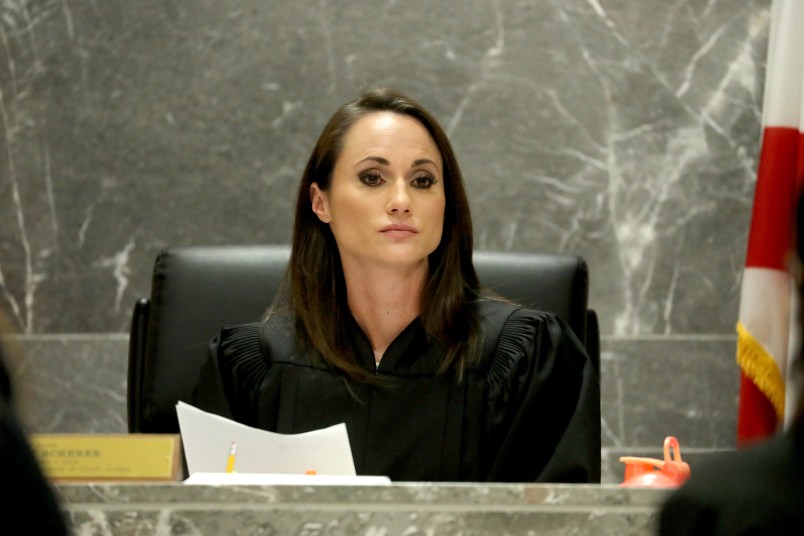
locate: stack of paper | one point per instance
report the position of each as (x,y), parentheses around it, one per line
(215,445)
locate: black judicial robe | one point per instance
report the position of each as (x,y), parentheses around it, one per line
(529,412)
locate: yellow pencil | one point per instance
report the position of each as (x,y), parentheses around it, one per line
(231,460)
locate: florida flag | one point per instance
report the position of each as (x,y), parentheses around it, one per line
(766,334)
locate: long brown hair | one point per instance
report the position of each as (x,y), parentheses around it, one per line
(317,291)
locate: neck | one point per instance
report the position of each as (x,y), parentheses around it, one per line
(384,302)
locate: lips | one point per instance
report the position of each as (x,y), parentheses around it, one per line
(400,227)
(398,230)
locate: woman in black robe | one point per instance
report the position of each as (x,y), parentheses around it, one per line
(384,325)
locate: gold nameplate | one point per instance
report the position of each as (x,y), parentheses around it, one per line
(89,457)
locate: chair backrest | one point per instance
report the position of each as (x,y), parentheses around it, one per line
(196,290)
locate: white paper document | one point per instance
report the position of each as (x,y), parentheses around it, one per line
(208,439)
(264,479)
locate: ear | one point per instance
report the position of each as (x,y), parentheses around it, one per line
(320,203)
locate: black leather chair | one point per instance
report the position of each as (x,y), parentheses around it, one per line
(196,290)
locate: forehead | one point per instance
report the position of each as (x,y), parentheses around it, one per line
(389,131)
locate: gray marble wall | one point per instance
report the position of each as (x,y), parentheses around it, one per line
(627,132)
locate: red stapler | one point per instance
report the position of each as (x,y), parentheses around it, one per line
(655,473)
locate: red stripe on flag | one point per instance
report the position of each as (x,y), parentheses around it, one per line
(800,175)
(774,199)
(756,417)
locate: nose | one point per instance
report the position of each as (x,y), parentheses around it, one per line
(399,198)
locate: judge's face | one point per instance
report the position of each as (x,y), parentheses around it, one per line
(385,203)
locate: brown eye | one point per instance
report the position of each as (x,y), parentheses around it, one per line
(371,178)
(423,182)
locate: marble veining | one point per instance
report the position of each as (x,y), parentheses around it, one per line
(401,508)
(626,133)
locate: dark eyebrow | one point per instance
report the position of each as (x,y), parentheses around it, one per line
(421,161)
(378,159)
(384,162)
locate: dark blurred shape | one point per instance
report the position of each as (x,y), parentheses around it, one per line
(757,489)
(30,505)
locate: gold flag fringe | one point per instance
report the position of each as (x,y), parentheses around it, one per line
(760,367)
